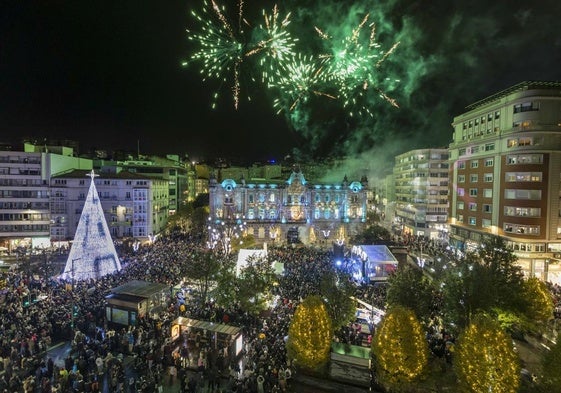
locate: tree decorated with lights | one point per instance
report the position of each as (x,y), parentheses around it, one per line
(400,349)
(310,334)
(485,360)
(540,302)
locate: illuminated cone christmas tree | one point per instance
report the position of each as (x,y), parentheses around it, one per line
(92,254)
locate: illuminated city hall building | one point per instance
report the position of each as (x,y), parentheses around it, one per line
(505,166)
(291,211)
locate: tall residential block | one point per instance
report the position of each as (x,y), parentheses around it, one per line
(505,170)
(421,193)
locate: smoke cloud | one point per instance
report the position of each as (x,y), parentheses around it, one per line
(450,55)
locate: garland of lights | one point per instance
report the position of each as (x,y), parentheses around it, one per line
(541,301)
(310,334)
(485,360)
(400,348)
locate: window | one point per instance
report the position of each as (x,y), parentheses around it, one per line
(475,163)
(523,176)
(526,107)
(462,152)
(473,178)
(511,143)
(461,192)
(515,159)
(488,177)
(488,162)
(461,165)
(472,206)
(474,149)
(460,218)
(489,146)
(251,198)
(461,205)
(472,221)
(487,208)
(514,211)
(485,223)
(533,230)
(523,194)
(461,178)
(488,193)
(473,192)
(497,115)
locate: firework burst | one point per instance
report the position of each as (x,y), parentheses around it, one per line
(274,43)
(297,80)
(353,67)
(220,47)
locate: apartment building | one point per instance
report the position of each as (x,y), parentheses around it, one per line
(421,193)
(505,170)
(25,175)
(134,205)
(169,168)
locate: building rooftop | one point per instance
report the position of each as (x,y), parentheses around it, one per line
(139,288)
(527,85)
(80,173)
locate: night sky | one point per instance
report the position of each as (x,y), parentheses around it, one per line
(109,74)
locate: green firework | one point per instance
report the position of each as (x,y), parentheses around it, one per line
(297,80)
(353,66)
(220,47)
(274,44)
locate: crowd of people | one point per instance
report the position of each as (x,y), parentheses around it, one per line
(35,313)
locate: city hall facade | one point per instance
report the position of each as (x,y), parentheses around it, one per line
(291,211)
